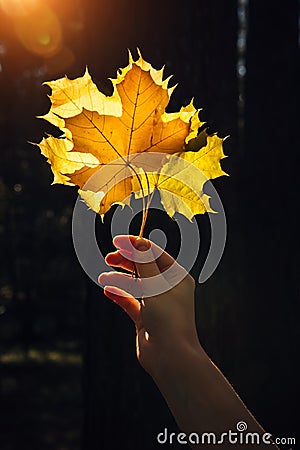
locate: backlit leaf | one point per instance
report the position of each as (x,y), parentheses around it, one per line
(100,131)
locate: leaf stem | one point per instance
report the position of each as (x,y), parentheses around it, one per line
(146,210)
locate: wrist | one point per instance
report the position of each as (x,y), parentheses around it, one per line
(175,355)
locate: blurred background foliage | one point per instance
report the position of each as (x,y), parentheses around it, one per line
(69,376)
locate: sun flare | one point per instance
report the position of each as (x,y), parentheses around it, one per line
(35,24)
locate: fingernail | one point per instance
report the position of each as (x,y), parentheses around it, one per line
(141,244)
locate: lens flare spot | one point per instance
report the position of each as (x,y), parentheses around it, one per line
(40,32)
(44,39)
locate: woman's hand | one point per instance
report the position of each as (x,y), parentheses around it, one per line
(163,320)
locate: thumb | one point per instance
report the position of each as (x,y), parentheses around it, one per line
(141,252)
(144,258)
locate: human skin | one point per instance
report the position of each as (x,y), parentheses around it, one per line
(167,344)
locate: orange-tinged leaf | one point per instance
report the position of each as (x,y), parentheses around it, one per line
(114,192)
(108,132)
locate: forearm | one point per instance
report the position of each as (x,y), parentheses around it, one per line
(200,397)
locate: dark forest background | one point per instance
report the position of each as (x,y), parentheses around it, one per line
(69,375)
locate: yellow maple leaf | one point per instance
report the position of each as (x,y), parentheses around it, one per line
(101,131)
(181,179)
